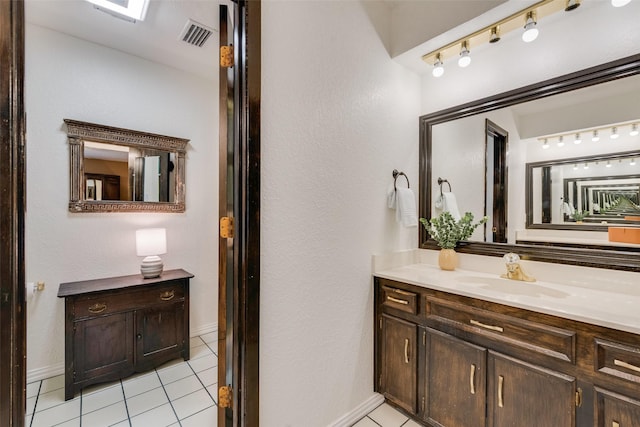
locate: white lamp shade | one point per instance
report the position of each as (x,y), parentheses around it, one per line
(151,241)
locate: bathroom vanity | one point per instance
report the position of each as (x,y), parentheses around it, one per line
(120,325)
(467,349)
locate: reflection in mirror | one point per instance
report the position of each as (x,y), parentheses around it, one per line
(456,144)
(596,191)
(114,169)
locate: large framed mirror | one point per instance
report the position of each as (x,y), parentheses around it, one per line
(455,145)
(122,170)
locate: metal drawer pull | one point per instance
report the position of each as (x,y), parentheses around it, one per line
(500,385)
(626,365)
(98,307)
(399,301)
(401,292)
(472,379)
(406,350)
(490,327)
(167,295)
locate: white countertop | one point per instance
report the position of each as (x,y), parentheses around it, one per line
(600,306)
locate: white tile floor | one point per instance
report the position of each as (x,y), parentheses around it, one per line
(178,394)
(386,416)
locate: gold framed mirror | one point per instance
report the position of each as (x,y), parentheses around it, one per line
(122,170)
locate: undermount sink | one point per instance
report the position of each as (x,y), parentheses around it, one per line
(512,287)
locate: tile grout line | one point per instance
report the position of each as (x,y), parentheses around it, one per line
(35,405)
(168,398)
(126,407)
(201,383)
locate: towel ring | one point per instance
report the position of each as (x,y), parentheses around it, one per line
(442,181)
(395,178)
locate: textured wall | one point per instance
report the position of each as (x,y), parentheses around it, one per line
(337,117)
(70,78)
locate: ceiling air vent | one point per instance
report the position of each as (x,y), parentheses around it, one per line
(195,33)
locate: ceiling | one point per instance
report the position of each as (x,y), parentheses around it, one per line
(157,37)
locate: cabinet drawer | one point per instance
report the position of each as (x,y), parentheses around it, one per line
(617,359)
(106,303)
(539,337)
(400,299)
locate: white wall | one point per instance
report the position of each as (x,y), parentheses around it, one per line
(70,78)
(337,117)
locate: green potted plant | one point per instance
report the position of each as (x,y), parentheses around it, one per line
(447,232)
(578,216)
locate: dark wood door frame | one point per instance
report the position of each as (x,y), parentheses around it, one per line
(12,208)
(500,182)
(239,324)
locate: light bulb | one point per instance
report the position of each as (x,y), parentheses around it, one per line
(614,133)
(595,137)
(586,166)
(438,67)
(608,164)
(530,30)
(575,167)
(560,141)
(464,59)
(578,140)
(633,162)
(545,144)
(619,3)
(634,130)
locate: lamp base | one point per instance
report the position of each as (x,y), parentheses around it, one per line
(151,267)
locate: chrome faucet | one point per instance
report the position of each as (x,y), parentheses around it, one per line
(514,270)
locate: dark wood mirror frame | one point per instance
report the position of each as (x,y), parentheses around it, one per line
(78,132)
(602,258)
(529,189)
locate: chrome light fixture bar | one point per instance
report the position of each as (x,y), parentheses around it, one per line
(493,32)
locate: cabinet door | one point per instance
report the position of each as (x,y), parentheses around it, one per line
(103,347)
(455,394)
(616,410)
(398,368)
(522,394)
(159,334)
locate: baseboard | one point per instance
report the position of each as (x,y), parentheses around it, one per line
(204,329)
(50,371)
(45,372)
(356,414)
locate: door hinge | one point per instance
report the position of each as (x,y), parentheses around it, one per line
(579,397)
(226,227)
(226,56)
(225,396)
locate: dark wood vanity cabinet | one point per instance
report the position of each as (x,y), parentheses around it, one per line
(121,325)
(482,364)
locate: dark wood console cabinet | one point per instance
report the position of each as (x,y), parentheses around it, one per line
(452,361)
(117,326)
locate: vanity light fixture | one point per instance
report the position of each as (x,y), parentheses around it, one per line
(571,5)
(530,30)
(578,140)
(614,133)
(490,34)
(464,59)
(595,137)
(494,37)
(634,130)
(545,143)
(150,243)
(438,67)
(619,3)
(560,141)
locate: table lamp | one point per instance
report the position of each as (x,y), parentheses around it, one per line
(151,242)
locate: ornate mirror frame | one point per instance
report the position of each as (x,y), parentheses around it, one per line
(618,258)
(79,132)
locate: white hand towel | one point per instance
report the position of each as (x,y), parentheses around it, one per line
(391,199)
(446,202)
(405,202)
